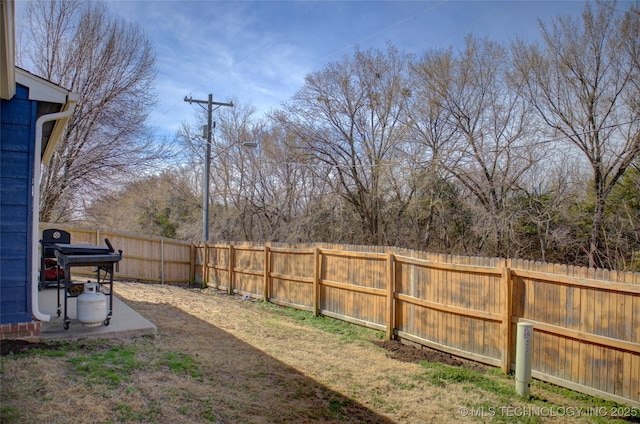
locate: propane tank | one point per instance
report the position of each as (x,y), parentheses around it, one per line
(92,305)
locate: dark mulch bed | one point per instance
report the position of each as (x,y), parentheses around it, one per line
(407,353)
(14,347)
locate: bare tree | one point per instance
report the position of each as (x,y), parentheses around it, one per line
(351,117)
(484,139)
(546,219)
(266,193)
(110,62)
(432,130)
(584,81)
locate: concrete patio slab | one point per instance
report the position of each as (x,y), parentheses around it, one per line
(125,321)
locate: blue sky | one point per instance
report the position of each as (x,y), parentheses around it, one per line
(259,52)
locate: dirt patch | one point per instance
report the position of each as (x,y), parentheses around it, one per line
(14,347)
(408,353)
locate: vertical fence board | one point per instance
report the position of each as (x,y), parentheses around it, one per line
(316,281)
(507,299)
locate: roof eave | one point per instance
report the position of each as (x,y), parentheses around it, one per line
(40,89)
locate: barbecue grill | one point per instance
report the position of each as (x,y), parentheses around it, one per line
(48,268)
(105,259)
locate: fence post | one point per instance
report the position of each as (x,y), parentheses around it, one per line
(205,265)
(507,284)
(391,286)
(161,261)
(232,260)
(192,264)
(316,281)
(267,271)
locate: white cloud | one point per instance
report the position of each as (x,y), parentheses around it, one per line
(260,51)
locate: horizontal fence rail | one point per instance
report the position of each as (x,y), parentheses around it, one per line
(586,322)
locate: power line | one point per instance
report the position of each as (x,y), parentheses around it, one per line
(261,47)
(350,45)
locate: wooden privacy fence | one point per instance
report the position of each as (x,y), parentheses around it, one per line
(586,322)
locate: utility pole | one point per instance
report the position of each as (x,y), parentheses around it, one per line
(207,162)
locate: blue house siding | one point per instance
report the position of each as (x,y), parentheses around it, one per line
(17,127)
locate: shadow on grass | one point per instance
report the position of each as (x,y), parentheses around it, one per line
(245,384)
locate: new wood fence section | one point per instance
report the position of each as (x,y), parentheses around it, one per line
(586,322)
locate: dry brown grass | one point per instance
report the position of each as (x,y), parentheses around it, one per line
(222,359)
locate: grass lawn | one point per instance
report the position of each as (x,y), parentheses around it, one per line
(221,359)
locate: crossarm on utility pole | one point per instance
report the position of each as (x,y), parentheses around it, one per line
(204,102)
